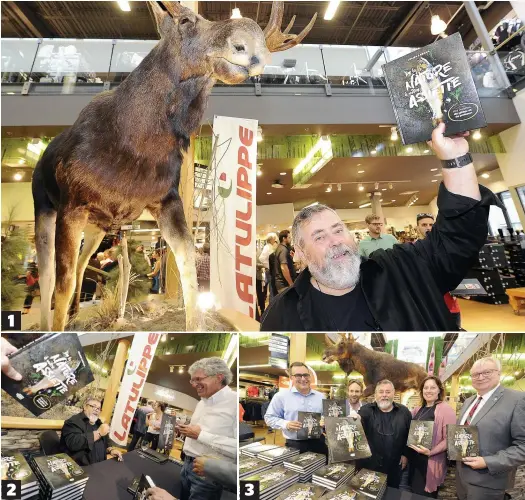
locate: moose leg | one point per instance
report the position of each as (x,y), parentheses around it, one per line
(70,223)
(45,249)
(369,390)
(173,228)
(93,236)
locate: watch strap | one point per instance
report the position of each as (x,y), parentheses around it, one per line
(458,162)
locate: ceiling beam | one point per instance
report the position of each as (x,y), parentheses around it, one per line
(406,23)
(26,15)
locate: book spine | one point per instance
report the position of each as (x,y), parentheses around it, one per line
(394,107)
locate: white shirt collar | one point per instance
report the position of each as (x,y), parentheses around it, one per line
(218,396)
(489,394)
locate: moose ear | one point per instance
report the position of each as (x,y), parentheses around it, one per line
(159,15)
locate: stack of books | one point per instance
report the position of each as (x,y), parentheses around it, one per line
(306,464)
(302,492)
(370,483)
(345,492)
(252,450)
(334,475)
(274,481)
(276,456)
(15,467)
(248,466)
(59,476)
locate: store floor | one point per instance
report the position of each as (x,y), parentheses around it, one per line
(275,437)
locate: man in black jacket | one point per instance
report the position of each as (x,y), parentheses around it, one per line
(340,292)
(85,438)
(386,426)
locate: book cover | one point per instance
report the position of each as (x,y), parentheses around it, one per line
(344,493)
(167,432)
(253,449)
(311,425)
(249,464)
(53,368)
(346,439)
(334,407)
(434,84)
(276,453)
(462,441)
(60,471)
(144,485)
(15,466)
(305,459)
(369,482)
(302,491)
(273,477)
(420,433)
(334,472)
(133,486)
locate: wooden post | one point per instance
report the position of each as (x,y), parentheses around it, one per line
(298,347)
(454,391)
(114,380)
(125,269)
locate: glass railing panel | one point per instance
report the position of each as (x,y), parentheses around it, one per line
(514,65)
(486,74)
(127,55)
(18,55)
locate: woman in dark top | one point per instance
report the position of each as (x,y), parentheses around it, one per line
(428,467)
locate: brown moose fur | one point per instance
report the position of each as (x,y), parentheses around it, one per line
(124,153)
(374,366)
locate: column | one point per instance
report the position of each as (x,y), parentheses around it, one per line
(298,347)
(114,380)
(377,208)
(454,391)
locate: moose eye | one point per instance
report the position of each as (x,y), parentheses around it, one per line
(184,20)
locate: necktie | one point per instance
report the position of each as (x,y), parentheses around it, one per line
(472,411)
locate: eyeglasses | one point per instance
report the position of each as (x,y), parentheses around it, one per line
(195,381)
(480,375)
(298,376)
(95,408)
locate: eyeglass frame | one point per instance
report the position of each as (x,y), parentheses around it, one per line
(299,376)
(99,408)
(483,375)
(198,381)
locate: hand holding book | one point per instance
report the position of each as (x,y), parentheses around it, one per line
(448,148)
(475,462)
(420,449)
(7,368)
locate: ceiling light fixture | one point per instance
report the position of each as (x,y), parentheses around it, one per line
(282,173)
(365,205)
(410,149)
(390,185)
(376,186)
(426,151)
(124,5)
(437,25)
(351,202)
(181,369)
(360,171)
(361,187)
(486,175)
(259,173)
(329,189)
(236,13)
(21,161)
(17,177)
(374,152)
(384,189)
(476,135)
(393,134)
(268,193)
(433,169)
(259,129)
(331,9)
(324,144)
(339,187)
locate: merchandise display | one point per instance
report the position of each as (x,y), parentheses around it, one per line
(306,464)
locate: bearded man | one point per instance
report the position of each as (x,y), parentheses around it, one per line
(340,291)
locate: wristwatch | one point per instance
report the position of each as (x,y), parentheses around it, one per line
(458,162)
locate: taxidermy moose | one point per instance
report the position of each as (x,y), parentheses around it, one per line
(374,366)
(124,152)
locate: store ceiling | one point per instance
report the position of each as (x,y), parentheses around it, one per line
(355,23)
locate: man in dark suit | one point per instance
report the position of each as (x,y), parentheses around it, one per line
(85,438)
(499,415)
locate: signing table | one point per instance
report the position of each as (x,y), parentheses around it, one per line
(394,494)
(108,480)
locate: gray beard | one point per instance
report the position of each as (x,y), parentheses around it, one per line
(93,419)
(337,275)
(384,405)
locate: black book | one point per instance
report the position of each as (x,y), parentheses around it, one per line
(59,473)
(145,483)
(302,492)
(462,441)
(248,466)
(133,486)
(434,84)
(52,368)
(167,432)
(346,439)
(334,407)
(370,483)
(277,478)
(311,425)
(420,433)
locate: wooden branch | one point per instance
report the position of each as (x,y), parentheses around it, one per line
(126,272)
(120,287)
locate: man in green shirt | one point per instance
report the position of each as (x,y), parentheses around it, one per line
(376,239)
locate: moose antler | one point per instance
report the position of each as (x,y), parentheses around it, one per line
(276,40)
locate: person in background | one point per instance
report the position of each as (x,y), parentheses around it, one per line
(140,426)
(203,268)
(268,249)
(85,438)
(260,288)
(31,278)
(499,415)
(428,467)
(283,410)
(155,273)
(284,267)
(377,238)
(425,223)
(153,421)
(140,249)
(386,425)
(355,393)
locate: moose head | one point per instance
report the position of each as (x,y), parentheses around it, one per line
(340,352)
(230,50)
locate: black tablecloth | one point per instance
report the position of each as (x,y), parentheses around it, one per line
(394,494)
(108,480)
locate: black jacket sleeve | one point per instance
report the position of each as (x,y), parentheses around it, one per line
(76,438)
(460,231)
